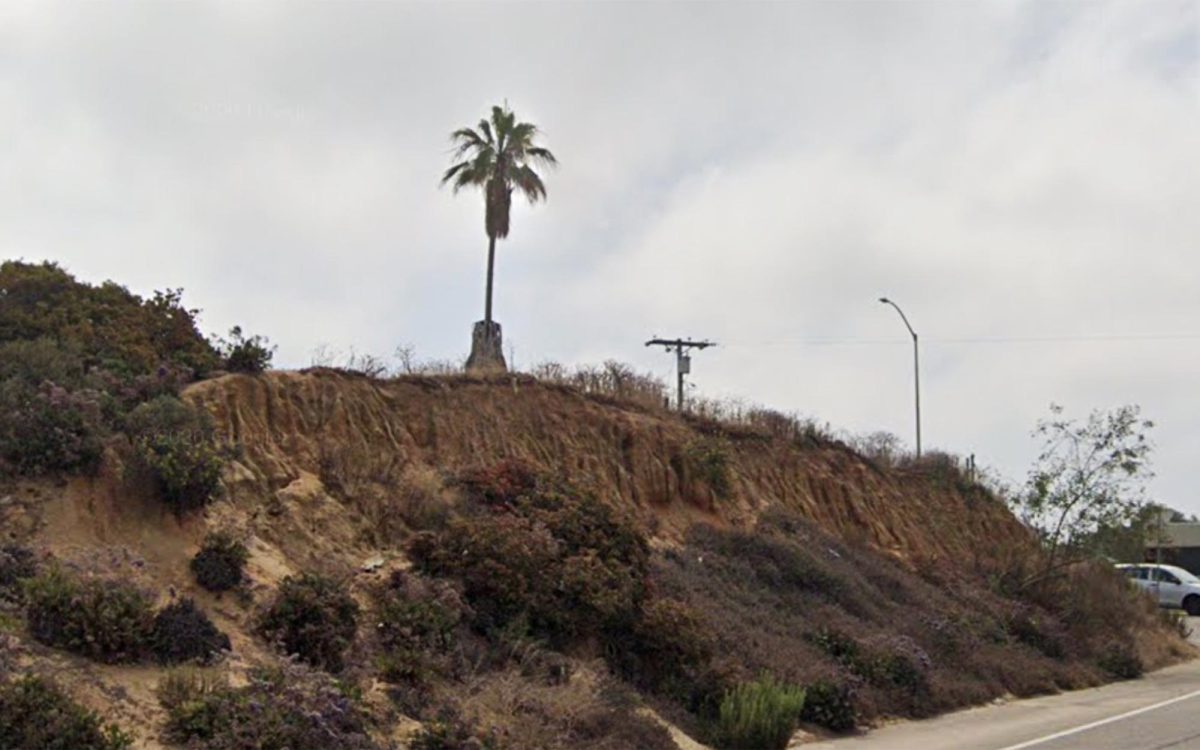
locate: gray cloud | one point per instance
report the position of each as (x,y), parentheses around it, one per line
(756,173)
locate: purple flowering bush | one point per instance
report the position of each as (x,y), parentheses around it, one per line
(291,707)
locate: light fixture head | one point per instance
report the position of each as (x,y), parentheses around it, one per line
(885,300)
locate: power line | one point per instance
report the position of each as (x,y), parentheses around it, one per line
(1105,338)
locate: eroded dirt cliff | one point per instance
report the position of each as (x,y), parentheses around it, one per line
(296,429)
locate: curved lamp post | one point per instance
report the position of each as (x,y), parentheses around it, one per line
(916,366)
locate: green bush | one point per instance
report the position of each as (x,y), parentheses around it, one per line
(1121,661)
(664,650)
(708,458)
(241,354)
(759,715)
(183,633)
(836,644)
(187,472)
(174,445)
(885,665)
(220,563)
(312,617)
(830,705)
(416,622)
(291,707)
(47,428)
(167,414)
(17,564)
(111,327)
(551,556)
(74,358)
(36,714)
(1036,630)
(108,621)
(41,360)
(897,670)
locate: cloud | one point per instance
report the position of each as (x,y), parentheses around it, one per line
(755,173)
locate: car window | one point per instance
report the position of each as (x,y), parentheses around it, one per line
(1166,576)
(1143,574)
(1131,572)
(1189,578)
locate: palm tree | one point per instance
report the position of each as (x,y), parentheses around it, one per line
(498,157)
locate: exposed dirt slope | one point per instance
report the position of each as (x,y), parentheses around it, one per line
(332,470)
(298,427)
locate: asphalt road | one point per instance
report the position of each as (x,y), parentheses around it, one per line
(1158,712)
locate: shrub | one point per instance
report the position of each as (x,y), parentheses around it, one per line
(416,623)
(503,562)
(837,644)
(36,714)
(109,621)
(759,715)
(312,617)
(174,445)
(665,649)
(542,552)
(167,414)
(187,472)
(220,563)
(110,327)
(1038,631)
(893,664)
(17,564)
(1121,661)
(709,459)
(291,707)
(47,428)
(241,354)
(40,360)
(502,483)
(182,632)
(74,358)
(830,705)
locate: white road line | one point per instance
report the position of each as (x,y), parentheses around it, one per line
(1102,722)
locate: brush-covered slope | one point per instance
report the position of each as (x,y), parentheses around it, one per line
(533,567)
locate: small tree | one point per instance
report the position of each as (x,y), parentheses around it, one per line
(1089,475)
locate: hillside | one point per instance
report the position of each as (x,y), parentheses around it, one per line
(687,557)
(293,426)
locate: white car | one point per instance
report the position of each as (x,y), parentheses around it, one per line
(1171,586)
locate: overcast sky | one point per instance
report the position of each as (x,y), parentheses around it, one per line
(1022,178)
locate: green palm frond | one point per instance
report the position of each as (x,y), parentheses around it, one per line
(541,156)
(499,156)
(529,183)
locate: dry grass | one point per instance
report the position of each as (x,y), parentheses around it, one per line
(590,710)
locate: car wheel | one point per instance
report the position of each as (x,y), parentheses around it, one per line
(1191,605)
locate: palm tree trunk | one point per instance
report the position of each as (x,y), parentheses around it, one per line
(487,307)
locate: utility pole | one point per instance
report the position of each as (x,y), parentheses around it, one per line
(916,366)
(683,361)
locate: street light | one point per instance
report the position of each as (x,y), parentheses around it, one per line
(916,367)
